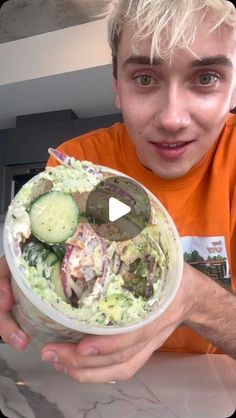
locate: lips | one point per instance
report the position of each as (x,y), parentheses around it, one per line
(172,145)
(171,150)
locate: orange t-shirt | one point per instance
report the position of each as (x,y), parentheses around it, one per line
(202,204)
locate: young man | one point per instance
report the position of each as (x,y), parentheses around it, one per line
(174,66)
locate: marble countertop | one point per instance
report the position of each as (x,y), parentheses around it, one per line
(168,386)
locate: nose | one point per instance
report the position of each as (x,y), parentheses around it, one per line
(174,114)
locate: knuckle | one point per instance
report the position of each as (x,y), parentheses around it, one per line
(69,362)
(4,325)
(78,375)
(11,333)
(6,299)
(75,363)
(127,373)
(128,353)
(134,349)
(122,356)
(148,331)
(132,369)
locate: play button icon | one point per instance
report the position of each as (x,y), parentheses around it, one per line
(118,208)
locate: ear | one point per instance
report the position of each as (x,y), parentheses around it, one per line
(117,96)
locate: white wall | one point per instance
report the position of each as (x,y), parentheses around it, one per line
(70,49)
(66,69)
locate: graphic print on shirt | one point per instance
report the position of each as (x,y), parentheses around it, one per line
(209,255)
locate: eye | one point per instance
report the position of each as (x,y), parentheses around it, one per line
(145,80)
(207,79)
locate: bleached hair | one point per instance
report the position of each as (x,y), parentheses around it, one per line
(177,20)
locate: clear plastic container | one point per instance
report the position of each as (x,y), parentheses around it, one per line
(43,323)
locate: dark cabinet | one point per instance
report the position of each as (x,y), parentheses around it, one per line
(27,144)
(30,140)
(81,126)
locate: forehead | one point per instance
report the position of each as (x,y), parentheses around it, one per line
(221,41)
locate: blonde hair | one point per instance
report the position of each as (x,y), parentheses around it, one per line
(178,19)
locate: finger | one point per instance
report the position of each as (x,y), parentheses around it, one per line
(9,330)
(11,333)
(91,346)
(63,352)
(6,297)
(108,344)
(67,355)
(115,372)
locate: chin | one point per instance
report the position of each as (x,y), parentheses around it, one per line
(169,174)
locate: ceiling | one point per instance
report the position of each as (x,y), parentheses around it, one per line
(87,91)
(22,18)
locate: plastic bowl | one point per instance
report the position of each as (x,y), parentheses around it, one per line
(44,323)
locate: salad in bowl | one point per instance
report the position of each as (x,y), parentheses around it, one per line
(71,273)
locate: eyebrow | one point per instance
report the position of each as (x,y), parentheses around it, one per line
(212,60)
(142,59)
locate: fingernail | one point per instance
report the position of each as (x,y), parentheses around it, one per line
(60,368)
(3,296)
(17,339)
(50,356)
(89,351)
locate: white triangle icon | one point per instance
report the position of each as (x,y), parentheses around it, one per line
(117,209)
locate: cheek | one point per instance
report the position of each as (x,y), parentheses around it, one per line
(214,106)
(136,112)
(136,123)
(214,121)
(210,115)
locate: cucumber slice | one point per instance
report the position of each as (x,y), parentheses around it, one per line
(54,217)
(56,281)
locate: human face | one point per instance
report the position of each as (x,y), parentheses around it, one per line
(175,112)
